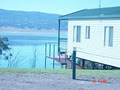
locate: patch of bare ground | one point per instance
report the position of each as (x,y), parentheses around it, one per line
(54,82)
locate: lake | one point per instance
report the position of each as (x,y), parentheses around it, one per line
(26,47)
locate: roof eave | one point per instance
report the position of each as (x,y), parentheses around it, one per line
(90,17)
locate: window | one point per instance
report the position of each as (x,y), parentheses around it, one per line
(108,36)
(87,33)
(76,33)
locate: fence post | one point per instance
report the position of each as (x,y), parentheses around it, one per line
(74,63)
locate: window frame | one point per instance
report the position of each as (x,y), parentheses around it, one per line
(108,36)
(77,33)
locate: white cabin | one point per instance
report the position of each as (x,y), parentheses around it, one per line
(96,34)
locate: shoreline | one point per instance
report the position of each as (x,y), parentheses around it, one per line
(30,31)
(33,32)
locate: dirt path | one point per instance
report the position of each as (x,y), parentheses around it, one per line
(54,82)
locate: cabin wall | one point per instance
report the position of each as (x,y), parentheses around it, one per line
(93,49)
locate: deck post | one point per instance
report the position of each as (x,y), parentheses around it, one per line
(45,53)
(58,36)
(49,49)
(53,56)
(74,63)
(59,39)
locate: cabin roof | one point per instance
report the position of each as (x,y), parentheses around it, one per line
(98,13)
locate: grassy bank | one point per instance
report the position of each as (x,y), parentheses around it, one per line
(86,73)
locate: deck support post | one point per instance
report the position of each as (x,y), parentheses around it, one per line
(74,63)
(65,59)
(93,65)
(83,63)
(104,66)
(45,54)
(59,56)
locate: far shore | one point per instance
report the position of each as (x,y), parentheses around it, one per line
(30,31)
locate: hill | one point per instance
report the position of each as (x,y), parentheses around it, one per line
(32,20)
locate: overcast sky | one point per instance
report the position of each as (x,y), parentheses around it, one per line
(55,6)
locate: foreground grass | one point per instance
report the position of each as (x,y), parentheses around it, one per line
(86,73)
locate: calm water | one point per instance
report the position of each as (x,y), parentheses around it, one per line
(23,47)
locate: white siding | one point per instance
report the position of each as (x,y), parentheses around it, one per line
(93,49)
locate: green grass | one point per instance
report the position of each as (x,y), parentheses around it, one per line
(86,73)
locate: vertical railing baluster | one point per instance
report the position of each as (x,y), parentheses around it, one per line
(45,54)
(53,56)
(49,49)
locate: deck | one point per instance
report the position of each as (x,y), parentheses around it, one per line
(66,62)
